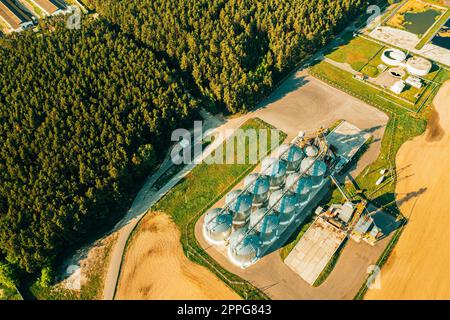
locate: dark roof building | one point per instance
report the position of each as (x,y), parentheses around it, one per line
(50,7)
(13,16)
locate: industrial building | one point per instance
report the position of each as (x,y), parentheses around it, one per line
(14,17)
(274,202)
(50,7)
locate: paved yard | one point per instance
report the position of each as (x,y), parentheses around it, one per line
(312,253)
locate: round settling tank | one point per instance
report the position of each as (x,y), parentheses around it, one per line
(258,186)
(293,155)
(316,169)
(240,204)
(419,66)
(275,169)
(217,225)
(393,57)
(244,248)
(284,205)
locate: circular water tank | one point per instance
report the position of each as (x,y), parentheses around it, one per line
(244,248)
(393,57)
(258,186)
(218,224)
(293,155)
(275,169)
(299,185)
(240,204)
(311,151)
(419,66)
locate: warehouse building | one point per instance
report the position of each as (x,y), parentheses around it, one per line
(14,17)
(50,7)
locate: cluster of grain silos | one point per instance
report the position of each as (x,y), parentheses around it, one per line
(272,200)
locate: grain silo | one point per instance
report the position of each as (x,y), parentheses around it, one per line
(244,247)
(240,204)
(293,155)
(218,225)
(311,151)
(266,224)
(275,169)
(300,185)
(314,168)
(258,186)
(284,205)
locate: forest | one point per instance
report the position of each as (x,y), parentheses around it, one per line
(84,113)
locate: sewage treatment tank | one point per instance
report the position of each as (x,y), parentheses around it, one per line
(243,248)
(240,204)
(218,225)
(284,205)
(292,154)
(275,169)
(258,186)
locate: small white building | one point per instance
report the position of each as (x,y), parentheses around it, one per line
(414,82)
(398,87)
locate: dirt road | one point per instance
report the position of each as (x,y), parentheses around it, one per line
(418,266)
(156,268)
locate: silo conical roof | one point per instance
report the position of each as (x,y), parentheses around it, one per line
(238,201)
(257,184)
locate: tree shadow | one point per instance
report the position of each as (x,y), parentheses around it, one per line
(293,83)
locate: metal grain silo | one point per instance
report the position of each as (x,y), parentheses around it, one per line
(217,225)
(284,205)
(314,168)
(275,169)
(244,248)
(258,186)
(266,224)
(300,186)
(293,155)
(311,151)
(240,204)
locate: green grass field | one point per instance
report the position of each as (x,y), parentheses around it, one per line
(357,53)
(196,193)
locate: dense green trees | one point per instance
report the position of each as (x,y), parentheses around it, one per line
(233,49)
(75,109)
(84,112)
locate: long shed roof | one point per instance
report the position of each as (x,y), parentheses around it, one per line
(49,6)
(12,14)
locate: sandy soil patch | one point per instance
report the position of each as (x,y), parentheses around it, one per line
(155,267)
(418,266)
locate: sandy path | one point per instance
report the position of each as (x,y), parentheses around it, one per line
(156,268)
(418,267)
